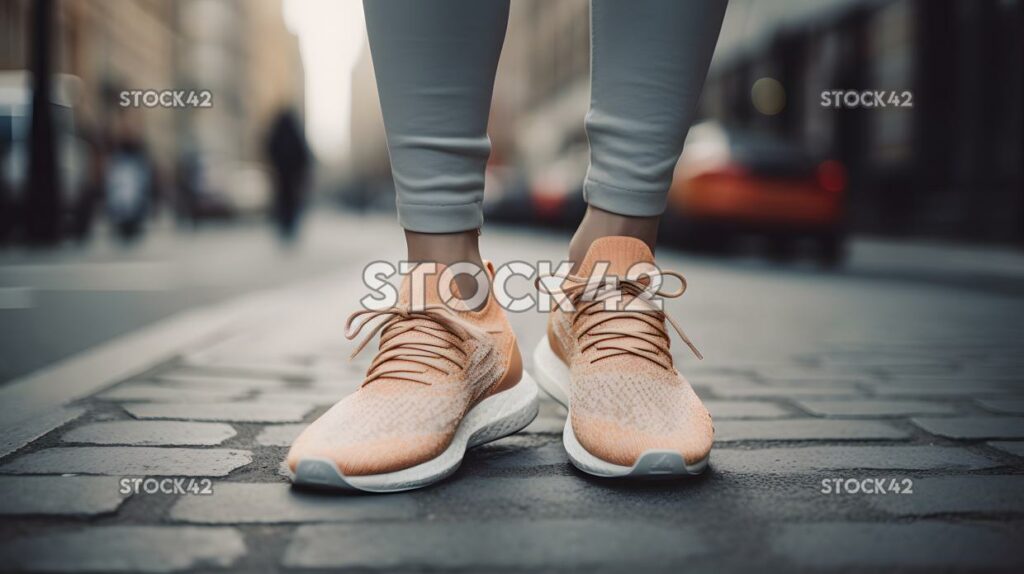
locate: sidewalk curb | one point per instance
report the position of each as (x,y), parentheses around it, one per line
(33,405)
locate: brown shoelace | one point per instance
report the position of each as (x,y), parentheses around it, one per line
(600,330)
(437,351)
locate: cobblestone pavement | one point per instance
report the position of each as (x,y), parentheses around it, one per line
(822,386)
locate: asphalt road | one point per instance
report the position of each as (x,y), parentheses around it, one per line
(57,303)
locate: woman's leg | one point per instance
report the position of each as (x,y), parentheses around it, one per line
(631,414)
(435,64)
(648,62)
(434,384)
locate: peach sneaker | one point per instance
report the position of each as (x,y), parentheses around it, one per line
(443,380)
(609,362)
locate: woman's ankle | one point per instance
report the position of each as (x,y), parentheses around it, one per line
(444,248)
(447,249)
(598,223)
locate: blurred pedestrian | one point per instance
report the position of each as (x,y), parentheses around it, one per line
(446,379)
(129,177)
(90,189)
(289,157)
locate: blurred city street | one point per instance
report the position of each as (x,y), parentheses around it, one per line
(903,367)
(59,302)
(190,191)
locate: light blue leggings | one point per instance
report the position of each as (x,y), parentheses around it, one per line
(435,62)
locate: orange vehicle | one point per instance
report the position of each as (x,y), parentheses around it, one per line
(729,182)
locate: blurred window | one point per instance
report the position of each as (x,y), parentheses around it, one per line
(892,51)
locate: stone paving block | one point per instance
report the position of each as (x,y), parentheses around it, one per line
(871,545)
(1007,378)
(303,396)
(550,544)
(544,496)
(924,369)
(805,380)
(710,366)
(158,393)
(1007,405)
(325,392)
(248,412)
(723,410)
(214,382)
(717,379)
(938,389)
(151,433)
(1014,448)
(806,429)
(346,383)
(125,549)
(800,460)
(507,454)
(973,427)
(279,435)
(874,407)
(249,367)
(329,358)
(956,494)
(756,391)
(239,503)
(17,435)
(59,495)
(129,461)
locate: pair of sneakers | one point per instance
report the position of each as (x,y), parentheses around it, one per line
(444,381)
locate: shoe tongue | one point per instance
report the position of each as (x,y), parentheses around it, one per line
(431,291)
(428,291)
(620,253)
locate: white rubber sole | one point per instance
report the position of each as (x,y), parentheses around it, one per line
(553,377)
(495,417)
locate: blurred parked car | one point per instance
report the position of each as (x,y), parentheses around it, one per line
(556,191)
(507,195)
(732,182)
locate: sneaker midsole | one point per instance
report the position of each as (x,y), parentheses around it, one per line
(494,417)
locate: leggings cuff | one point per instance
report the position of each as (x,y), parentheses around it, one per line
(622,201)
(423,218)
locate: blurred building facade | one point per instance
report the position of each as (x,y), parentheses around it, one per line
(951,166)
(239,50)
(242,52)
(368,158)
(103,44)
(543,86)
